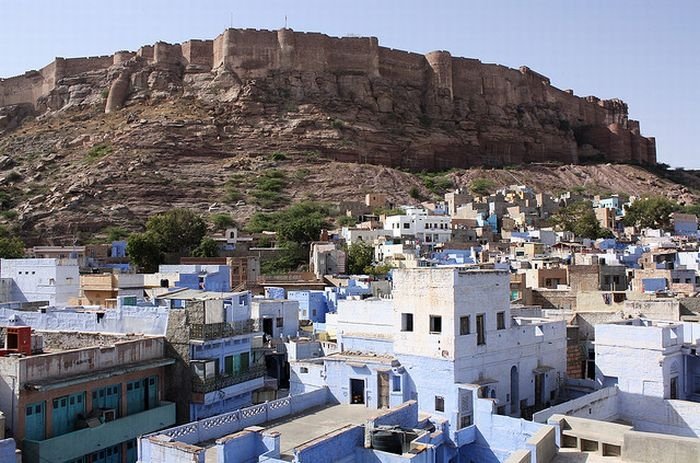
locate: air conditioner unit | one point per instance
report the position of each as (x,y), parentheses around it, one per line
(109,415)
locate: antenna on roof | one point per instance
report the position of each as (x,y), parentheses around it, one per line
(285,21)
(231,23)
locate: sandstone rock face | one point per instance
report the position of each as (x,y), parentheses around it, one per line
(352,100)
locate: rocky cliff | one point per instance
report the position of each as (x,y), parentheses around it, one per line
(352,100)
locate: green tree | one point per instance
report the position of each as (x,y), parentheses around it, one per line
(580,219)
(651,212)
(360,256)
(11,247)
(377,270)
(481,186)
(115,233)
(207,248)
(177,230)
(144,251)
(296,227)
(222,221)
(692,209)
(346,221)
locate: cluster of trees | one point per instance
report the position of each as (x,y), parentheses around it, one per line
(11,247)
(296,227)
(178,231)
(360,259)
(580,219)
(650,212)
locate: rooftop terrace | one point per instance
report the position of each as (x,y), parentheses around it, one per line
(308,425)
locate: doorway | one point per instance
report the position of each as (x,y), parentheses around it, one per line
(539,390)
(514,390)
(357,391)
(383,386)
(267,327)
(674,388)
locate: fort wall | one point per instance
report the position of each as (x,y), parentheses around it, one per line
(254,53)
(198,53)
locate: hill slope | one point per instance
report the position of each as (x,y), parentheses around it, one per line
(76,172)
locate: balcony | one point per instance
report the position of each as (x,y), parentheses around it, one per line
(216,383)
(83,441)
(209,331)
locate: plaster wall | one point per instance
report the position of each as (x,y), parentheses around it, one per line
(599,405)
(125,319)
(448,293)
(53,280)
(288,311)
(639,359)
(80,361)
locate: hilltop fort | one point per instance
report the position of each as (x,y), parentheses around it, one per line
(410,110)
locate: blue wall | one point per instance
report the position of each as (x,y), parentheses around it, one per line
(312,305)
(332,448)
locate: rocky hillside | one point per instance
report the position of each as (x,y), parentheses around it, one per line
(211,141)
(68,175)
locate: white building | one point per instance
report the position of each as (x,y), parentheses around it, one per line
(649,358)
(445,339)
(276,317)
(34,280)
(417,223)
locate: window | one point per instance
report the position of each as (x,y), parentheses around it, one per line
(407,226)
(465,421)
(279,322)
(501,321)
(435,324)
(396,383)
(228,364)
(480,333)
(464,325)
(303,370)
(439,403)
(406,322)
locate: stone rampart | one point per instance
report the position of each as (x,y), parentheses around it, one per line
(449,84)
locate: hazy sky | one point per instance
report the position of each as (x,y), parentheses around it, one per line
(646,52)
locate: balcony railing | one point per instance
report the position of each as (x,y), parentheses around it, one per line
(206,332)
(220,382)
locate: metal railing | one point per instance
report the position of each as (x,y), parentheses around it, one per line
(220,382)
(206,332)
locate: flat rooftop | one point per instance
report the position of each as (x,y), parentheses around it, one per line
(566,455)
(313,423)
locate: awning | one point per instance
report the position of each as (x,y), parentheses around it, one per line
(357,364)
(485,381)
(49,384)
(542,369)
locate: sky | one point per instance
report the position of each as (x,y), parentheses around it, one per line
(646,52)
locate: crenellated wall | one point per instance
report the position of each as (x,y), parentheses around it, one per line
(452,87)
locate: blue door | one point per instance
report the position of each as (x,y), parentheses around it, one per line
(35,421)
(108,455)
(65,412)
(152,392)
(136,396)
(131,452)
(107,398)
